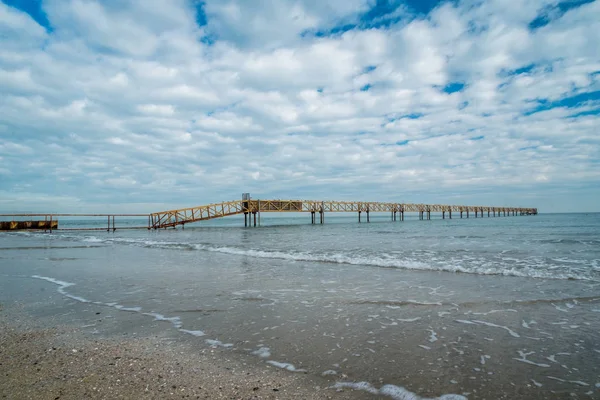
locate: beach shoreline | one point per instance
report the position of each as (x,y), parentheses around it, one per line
(64,362)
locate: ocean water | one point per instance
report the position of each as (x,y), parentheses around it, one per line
(503,307)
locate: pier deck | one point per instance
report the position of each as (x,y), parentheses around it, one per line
(252,209)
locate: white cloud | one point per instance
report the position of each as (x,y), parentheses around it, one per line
(132,97)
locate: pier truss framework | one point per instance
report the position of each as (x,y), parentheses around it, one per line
(253,208)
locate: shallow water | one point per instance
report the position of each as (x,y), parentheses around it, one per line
(380,303)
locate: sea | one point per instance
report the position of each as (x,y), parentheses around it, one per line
(477,308)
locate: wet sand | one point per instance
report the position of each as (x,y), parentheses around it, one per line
(64,362)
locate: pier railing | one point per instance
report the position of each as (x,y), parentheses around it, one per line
(252,209)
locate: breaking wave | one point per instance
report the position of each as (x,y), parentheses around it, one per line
(564,271)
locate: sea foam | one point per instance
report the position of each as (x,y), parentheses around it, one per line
(393,391)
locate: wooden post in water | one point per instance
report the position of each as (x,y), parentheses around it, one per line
(368,218)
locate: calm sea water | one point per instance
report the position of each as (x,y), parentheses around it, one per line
(485,308)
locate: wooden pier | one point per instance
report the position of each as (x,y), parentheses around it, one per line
(252,209)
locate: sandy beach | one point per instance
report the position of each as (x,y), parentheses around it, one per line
(64,363)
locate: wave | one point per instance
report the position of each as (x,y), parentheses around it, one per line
(382,260)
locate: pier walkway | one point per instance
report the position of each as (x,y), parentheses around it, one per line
(252,209)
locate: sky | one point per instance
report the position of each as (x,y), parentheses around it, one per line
(146,105)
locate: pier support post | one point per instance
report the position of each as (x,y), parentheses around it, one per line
(450,214)
(467,213)
(114,229)
(443,214)
(475,213)
(254,218)
(461,214)
(368,217)
(428,215)
(246,219)
(108,223)
(359,217)
(322,216)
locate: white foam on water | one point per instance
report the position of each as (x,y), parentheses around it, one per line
(432,336)
(263,352)
(408,319)
(531,269)
(536,383)
(176,321)
(495,311)
(55,281)
(62,285)
(580,383)
(510,331)
(218,343)
(286,366)
(425,347)
(478,322)
(524,359)
(560,308)
(130,309)
(464,321)
(329,372)
(393,391)
(527,325)
(483,358)
(193,333)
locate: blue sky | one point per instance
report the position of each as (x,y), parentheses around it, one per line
(138,106)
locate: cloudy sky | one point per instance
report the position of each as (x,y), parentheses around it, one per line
(143,105)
